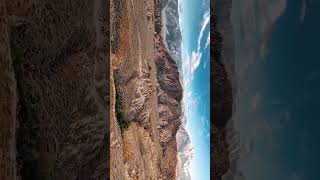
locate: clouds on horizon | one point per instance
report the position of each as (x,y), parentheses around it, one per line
(195,62)
(192,62)
(196,56)
(192,98)
(205,22)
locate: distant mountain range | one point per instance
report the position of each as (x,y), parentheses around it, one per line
(185,154)
(171,30)
(172,38)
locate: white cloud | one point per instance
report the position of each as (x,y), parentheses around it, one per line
(195,61)
(208,41)
(189,94)
(196,55)
(186,82)
(191,63)
(187,63)
(205,22)
(186,68)
(180,9)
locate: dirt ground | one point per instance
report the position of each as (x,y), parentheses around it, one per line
(135,154)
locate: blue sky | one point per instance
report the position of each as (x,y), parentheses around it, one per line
(278,97)
(195,27)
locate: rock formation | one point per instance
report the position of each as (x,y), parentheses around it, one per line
(171,30)
(146,82)
(185,154)
(170,95)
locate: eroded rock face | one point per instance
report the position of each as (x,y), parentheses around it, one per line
(185,154)
(169,97)
(171,30)
(59,57)
(169,160)
(146,149)
(148,81)
(169,108)
(167,69)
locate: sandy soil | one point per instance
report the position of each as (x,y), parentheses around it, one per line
(145,34)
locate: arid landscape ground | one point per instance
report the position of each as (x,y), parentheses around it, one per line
(145,94)
(54,99)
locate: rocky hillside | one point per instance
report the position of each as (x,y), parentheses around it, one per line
(171,30)
(170,95)
(185,154)
(145,95)
(53,87)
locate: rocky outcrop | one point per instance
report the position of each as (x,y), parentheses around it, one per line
(185,154)
(167,67)
(147,83)
(168,75)
(59,58)
(146,80)
(169,98)
(171,30)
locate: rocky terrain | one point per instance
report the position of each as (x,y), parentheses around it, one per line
(185,154)
(53,114)
(222,69)
(145,94)
(170,95)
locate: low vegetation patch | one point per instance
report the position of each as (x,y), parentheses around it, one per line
(120,113)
